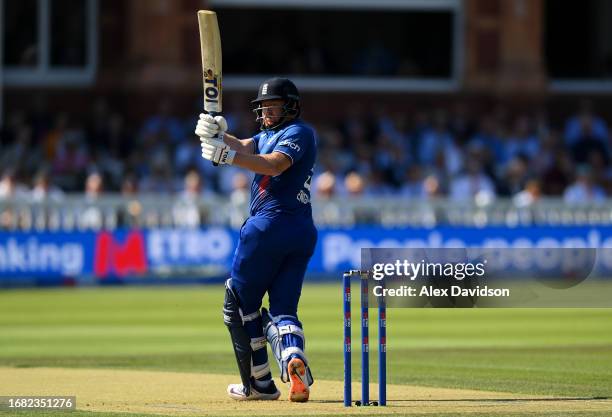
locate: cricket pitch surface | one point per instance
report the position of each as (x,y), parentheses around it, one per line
(189,394)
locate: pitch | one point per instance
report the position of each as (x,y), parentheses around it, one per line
(165,351)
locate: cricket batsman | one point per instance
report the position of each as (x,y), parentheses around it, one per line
(276,242)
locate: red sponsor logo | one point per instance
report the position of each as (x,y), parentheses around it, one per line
(120,258)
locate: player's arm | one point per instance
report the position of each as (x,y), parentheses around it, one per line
(240,152)
(244,146)
(273,164)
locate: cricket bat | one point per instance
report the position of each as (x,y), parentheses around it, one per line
(210,45)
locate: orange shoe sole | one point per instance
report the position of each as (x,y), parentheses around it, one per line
(299,391)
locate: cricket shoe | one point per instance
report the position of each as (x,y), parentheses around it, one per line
(299,390)
(236,392)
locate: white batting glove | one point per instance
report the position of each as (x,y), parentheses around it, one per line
(209,127)
(217,152)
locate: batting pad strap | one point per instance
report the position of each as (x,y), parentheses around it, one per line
(260,371)
(293,350)
(251,317)
(258,343)
(291,329)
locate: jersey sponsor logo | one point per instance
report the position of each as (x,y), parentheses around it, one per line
(291,145)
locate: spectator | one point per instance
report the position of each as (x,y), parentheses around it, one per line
(550,145)
(363,163)
(432,187)
(412,186)
(164,125)
(43,189)
(387,157)
(160,179)
(489,138)
(129,186)
(377,186)
(186,210)
(94,185)
(10,188)
(354,184)
(530,195)
(239,198)
(52,139)
(226,178)
(188,155)
(394,126)
(98,128)
(356,126)
(602,172)
(116,145)
(240,194)
(438,142)
(91,216)
(557,177)
(584,190)
(325,186)
(522,141)
(71,160)
(473,185)
(586,144)
(194,187)
(327,164)
(460,125)
(331,147)
(21,153)
(515,176)
(585,117)
(131,214)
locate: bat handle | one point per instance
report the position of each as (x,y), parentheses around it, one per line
(213,114)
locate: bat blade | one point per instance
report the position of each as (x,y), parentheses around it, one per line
(210,44)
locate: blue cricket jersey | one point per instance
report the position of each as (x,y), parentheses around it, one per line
(289,192)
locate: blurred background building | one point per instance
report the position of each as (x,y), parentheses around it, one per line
(477,101)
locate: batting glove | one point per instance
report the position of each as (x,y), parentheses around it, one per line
(209,127)
(217,152)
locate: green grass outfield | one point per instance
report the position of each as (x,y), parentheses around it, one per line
(559,352)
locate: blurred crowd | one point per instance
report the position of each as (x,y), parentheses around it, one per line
(453,153)
(431,153)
